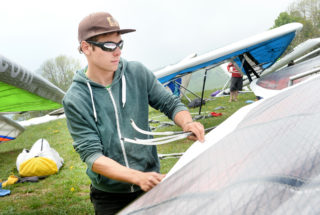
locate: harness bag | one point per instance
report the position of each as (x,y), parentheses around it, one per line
(40,160)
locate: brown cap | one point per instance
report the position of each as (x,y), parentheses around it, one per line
(99,23)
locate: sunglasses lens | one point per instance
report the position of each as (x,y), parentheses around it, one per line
(120,44)
(109,46)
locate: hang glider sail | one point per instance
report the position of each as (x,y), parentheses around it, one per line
(22,90)
(263,159)
(273,83)
(9,129)
(293,56)
(298,51)
(179,85)
(298,54)
(251,55)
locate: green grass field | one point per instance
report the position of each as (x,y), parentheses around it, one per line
(68,191)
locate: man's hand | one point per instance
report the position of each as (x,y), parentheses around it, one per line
(147,180)
(184,120)
(112,169)
(196,128)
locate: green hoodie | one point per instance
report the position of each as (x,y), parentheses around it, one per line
(98,117)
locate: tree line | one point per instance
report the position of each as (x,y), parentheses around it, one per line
(306,12)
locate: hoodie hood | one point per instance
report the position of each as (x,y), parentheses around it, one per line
(119,75)
(81,77)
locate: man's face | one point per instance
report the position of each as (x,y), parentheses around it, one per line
(105,60)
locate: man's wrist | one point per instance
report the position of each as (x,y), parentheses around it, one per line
(136,177)
(185,124)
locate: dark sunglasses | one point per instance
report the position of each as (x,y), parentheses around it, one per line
(107,46)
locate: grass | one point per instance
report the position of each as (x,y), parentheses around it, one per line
(68,191)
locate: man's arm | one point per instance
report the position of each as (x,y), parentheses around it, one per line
(112,169)
(184,120)
(162,100)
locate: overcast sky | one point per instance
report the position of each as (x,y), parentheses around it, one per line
(34,31)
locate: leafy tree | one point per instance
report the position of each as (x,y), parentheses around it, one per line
(60,71)
(306,12)
(283,18)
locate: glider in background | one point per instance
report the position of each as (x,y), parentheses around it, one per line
(9,129)
(251,56)
(20,91)
(274,82)
(300,53)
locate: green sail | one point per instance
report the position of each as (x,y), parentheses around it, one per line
(22,90)
(13,99)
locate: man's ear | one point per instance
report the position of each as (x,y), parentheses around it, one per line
(85,47)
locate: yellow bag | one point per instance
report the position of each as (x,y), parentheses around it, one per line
(38,166)
(40,160)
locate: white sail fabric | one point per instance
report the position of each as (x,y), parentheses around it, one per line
(9,129)
(268,163)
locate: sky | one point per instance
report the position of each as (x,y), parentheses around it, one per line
(34,31)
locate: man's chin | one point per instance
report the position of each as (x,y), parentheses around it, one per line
(112,68)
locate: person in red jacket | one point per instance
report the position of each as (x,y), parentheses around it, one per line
(236,82)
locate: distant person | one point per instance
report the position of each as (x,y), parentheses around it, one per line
(236,82)
(99,104)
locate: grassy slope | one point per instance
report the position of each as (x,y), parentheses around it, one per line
(63,193)
(68,191)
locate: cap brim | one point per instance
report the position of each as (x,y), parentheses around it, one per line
(124,31)
(121,31)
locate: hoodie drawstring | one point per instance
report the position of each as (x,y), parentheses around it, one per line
(124,96)
(92,101)
(124,89)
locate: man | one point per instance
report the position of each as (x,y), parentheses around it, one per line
(99,105)
(236,82)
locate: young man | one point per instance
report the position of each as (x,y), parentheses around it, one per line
(236,82)
(99,105)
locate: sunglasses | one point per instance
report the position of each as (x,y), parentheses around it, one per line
(107,46)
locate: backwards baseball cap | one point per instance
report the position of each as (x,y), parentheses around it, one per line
(99,23)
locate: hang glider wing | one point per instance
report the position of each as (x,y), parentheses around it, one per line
(272,83)
(9,129)
(22,90)
(264,159)
(258,52)
(297,52)
(300,53)
(179,85)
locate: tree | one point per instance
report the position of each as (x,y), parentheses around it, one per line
(306,12)
(283,18)
(60,71)
(310,10)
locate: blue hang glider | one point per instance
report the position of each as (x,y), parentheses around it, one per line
(251,56)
